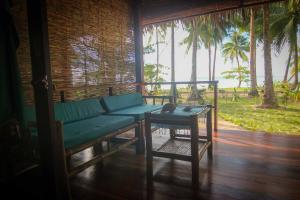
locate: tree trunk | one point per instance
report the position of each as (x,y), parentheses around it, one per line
(209,62)
(253,91)
(214,63)
(194,93)
(240,75)
(157,58)
(172,57)
(269,100)
(287,66)
(296,63)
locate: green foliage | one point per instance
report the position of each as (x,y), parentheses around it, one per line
(150,74)
(192,27)
(285,28)
(283,92)
(286,23)
(246,114)
(157,30)
(148,49)
(236,47)
(286,93)
(235,96)
(292,65)
(241,74)
(295,93)
(201,94)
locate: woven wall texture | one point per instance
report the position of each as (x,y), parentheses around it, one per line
(91,47)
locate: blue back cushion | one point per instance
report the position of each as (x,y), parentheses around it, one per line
(29,114)
(77,110)
(118,102)
(70,111)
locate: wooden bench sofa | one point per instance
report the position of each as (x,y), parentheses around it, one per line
(84,125)
(88,123)
(132,105)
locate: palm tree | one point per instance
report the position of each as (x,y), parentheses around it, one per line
(286,72)
(294,71)
(284,30)
(253,90)
(212,31)
(269,99)
(172,57)
(235,48)
(192,40)
(245,20)
(218,33)
(206,37)
(160,31)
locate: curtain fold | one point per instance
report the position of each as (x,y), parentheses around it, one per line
(11,101)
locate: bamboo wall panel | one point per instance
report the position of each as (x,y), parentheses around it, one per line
(91,47)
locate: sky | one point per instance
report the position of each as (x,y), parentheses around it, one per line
(183,61)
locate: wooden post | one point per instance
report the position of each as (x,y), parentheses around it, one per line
(52,159)
(215,106)
(138,40)
(175,93)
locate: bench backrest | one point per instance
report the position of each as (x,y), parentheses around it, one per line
(119,102)
(70,111)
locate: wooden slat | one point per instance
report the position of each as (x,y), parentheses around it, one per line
(91,45)
(100,157)
(171,155)
(158,11)
(246,165)
(100,139)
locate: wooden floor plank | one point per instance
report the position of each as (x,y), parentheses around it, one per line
(245,165)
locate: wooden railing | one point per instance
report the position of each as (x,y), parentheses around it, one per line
(174,85)
(141,87)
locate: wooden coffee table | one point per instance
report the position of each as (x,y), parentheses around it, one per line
(189,146)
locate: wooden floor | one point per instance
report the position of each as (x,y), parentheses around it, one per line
(245,166)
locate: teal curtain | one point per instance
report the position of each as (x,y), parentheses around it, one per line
(10,84)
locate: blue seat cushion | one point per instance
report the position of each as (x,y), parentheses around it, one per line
(118,102)
(137,111)
(83,131)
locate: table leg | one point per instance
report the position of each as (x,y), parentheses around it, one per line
(140,144)
(194,151)
(149,156)
(209,134)
(172,133)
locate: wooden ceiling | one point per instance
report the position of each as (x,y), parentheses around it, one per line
(157,11)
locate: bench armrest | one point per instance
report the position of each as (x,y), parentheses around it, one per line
(33,124)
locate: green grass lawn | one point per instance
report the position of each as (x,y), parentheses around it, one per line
(285,120)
